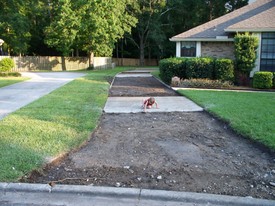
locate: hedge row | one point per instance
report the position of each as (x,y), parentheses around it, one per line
(205,83)
(172,67)
(10,74)
(198,67)
(264,80)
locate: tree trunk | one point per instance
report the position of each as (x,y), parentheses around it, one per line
(117,50)
(91,60)
(122,51)
(63,63)
(141,52)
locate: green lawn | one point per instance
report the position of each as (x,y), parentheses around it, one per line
(250,114)
(5,81)
(52,125)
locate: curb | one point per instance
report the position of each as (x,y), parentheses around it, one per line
(204,198)
(220,90)
(70,189)
(136,194)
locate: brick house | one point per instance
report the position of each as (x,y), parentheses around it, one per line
(216,38)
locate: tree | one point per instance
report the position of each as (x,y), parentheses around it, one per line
(94,26)
(40,17)
(217,8)
(14,26)
(148,29)
(102,24)
(183,15)
(160,20)
(64,26)
(232,5)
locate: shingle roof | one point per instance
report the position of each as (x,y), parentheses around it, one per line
(258,16)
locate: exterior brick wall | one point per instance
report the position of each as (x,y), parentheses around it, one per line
(217,49)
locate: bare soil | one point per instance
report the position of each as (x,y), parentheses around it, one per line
(178,151)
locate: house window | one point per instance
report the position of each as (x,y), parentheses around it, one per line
(268,52)
(188,49)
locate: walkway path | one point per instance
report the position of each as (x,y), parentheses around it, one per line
(15,96)
(126,104)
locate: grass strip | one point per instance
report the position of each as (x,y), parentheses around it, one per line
(52,125)
(251,114)
(5,81)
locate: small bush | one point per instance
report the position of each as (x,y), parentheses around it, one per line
(224,69)
(205,83)
(262,80)
(6,65)
(199,68)
(10,74)
(172,67)
(273,80)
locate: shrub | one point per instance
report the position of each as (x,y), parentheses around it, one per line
(262,80)
(10,74)
(245,55)
(205,83)
(6,65)
(273,85)
(245,52)
(224,69)
(199,68)
(172,67)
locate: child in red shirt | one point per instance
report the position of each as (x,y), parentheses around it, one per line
(148,103)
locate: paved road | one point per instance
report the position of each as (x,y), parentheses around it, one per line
(15,96)
(43,195)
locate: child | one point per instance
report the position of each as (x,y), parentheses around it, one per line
(148,103)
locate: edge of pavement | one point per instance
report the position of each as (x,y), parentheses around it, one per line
(133,193)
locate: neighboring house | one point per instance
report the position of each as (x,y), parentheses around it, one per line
(216,38)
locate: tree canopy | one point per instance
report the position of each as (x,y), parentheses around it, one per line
(170,17)
(138,28)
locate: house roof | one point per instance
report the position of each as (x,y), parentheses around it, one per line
(257,16)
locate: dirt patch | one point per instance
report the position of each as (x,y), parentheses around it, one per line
(139,86)
(173,151)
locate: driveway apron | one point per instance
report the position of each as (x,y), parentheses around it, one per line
(18,95)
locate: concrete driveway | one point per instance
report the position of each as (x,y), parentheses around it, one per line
(15,96)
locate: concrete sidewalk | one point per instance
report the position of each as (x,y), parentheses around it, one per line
(69,195)
(165,104)
(15,96)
